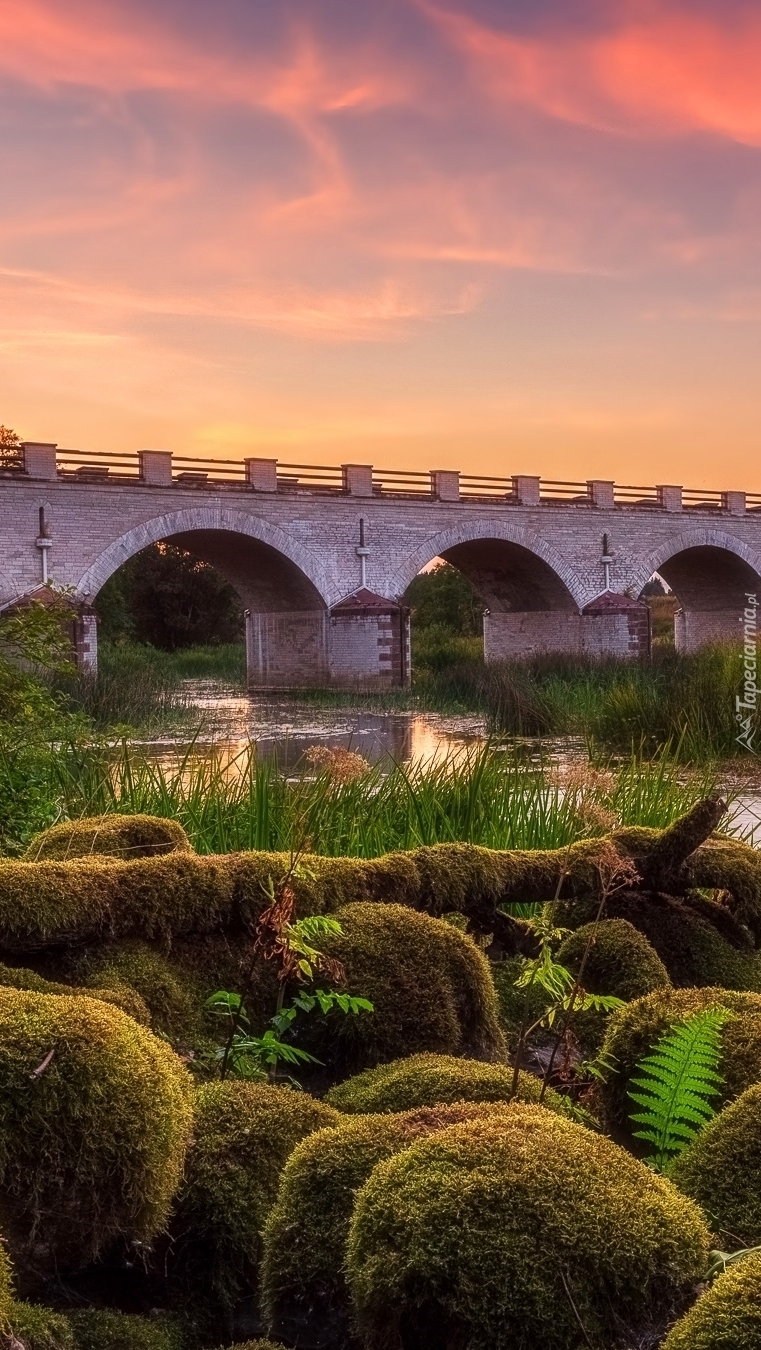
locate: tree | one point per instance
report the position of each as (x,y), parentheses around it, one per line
(10,449)
(167,597)
(444,598)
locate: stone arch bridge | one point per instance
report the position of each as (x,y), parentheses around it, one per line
(321,557)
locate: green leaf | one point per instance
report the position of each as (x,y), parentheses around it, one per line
(673,1085)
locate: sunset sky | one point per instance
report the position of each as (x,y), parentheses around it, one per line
(501,235)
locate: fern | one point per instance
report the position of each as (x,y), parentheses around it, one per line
(675,1084)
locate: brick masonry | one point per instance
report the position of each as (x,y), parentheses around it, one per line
(291,554)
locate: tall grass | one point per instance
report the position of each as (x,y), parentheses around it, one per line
(484,796)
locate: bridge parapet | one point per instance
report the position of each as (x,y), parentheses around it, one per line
(162,469)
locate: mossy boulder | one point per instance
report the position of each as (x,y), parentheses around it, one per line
(304,1292)
(114,836)
(634,1029)
(721,1170)
(119,994)
(95,1116)
(511,1232)
(38,1328)
(727,1316)
(430,1080)
(174,999)
(430,986)
(620,959)
(6,1286)
(243,1134)
(104,1329)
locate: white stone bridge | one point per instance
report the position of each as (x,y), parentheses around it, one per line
(321,557)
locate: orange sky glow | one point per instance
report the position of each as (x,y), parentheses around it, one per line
(427,234)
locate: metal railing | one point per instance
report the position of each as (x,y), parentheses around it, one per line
(559,492)
(97,465)
(402,483)
(697,499)
(624,494)
(479,485)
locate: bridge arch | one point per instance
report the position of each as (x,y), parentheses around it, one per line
(511,567)
(710,573)
(269,570)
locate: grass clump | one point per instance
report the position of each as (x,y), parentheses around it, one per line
(430,987)
(727,1316)
(6,1286)
(103,1329)
(431,1080)
(721,1170)
(304,1288)
(137,836)
(243,1134)
(620,961)
(634,1030)
(95,1116)
(476,1236)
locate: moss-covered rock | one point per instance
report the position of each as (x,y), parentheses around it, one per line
(95,1116)
(727,1316)
(103,1329)
(304,1293)
(243,1134)
(38,1328)
(174,999)
(112,835)
(620,959)
(254,1345)
(633,1031)
(430,986)
(510,1232)
(6,1286)
(721,1170)
(121,995)
(430,1080)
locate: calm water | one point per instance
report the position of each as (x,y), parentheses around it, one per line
(229,720)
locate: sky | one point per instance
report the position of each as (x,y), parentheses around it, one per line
(502,236)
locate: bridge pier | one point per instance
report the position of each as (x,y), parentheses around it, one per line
(611,626)
(361,643)
(696,628)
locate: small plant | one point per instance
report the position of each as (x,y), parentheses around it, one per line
(675,1083)
(291,945)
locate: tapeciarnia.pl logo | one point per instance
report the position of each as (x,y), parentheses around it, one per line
(746,706)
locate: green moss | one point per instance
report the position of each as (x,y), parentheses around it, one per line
(6,1286)
(477,1235)
(120,995)
(112,835)
(721,1170)
(729,865)
(38,1328)
(727,1316)
(255,1345)
(95,1115)
(430,986)
(303,1284)
(243,1135)
(621,961)
(102,1329)
(633,1031)
(430,1080)
(174,1000)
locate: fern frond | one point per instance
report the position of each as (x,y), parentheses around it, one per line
(674,1084)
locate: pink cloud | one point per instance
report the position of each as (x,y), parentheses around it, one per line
(663,70)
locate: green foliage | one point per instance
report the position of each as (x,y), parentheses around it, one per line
(721,1170)
(102,1329)
(429,985)
(675,1083)
(39,1328)
(243,1134)
(6,1286)
(258,1057)
(121,995)
(10,449)
(115,836)
(255,1345)
(94,1122)
(303,1280)
(514,1231)
(634,1031)
(431,1080)
(621,961)
(169,598)
(727,1316)
(443,598)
